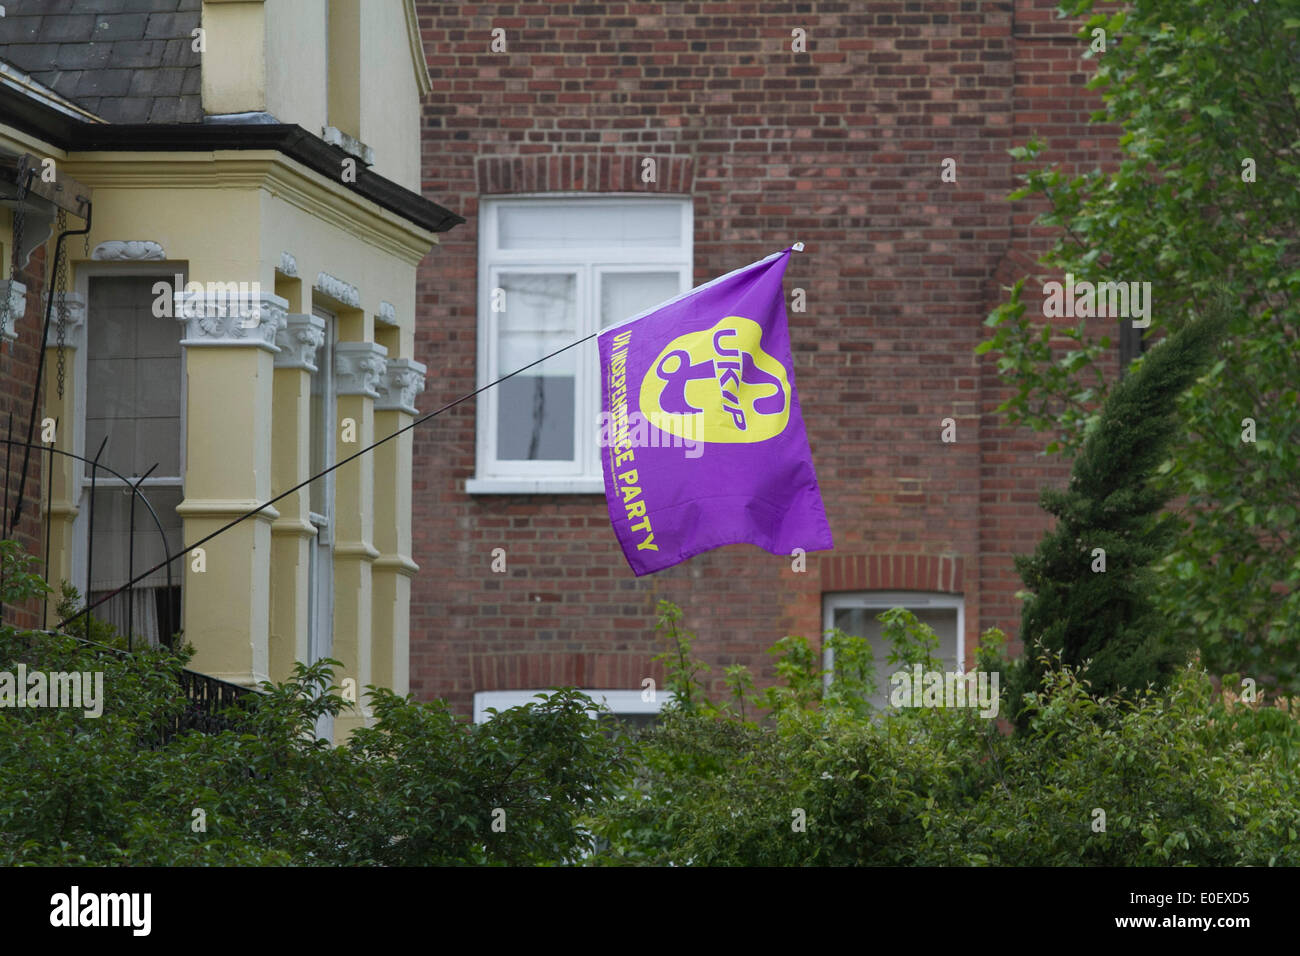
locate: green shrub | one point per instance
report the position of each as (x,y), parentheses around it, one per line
(1182,778)
(417,788)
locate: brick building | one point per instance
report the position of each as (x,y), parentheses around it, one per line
(539,129)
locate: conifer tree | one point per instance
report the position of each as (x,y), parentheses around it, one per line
(1110,517)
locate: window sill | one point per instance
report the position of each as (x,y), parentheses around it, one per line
(535,486)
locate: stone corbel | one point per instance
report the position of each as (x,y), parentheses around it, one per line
(359,367)
(298,339)
(213,318)
(403,380)
(288,265)
(74,325)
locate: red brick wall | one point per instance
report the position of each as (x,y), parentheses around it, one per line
(840,147)
(18,363)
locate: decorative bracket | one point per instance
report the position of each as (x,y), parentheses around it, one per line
(403,380)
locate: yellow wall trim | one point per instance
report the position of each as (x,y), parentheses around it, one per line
(16,141)
(355,549)
(267,170)
(293,527)
(224,508)
(396,562)
(417,48)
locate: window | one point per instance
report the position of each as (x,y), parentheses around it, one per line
(551,272)
(856,614)
(626,705)
(132,402)
(320,558)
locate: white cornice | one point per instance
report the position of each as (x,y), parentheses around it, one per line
(359,367)
(403,379)
(298,341)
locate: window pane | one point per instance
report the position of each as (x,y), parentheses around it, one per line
(146,608)
(535,410)
(861,622)
(624,294)
(133,378)
(156,440)
(535,418)
(111,542)
(585,225)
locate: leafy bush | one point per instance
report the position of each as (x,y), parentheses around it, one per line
(1182,778)
(417,788)
(802,773)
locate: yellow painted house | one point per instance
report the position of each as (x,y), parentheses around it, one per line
(240,315)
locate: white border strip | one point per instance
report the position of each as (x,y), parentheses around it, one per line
(618,701)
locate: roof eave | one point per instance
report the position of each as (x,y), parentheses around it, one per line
(75,135)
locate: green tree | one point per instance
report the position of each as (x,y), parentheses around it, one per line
(1091,578)
(1207,93)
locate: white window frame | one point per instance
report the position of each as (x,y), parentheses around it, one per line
(618,701)
(161,271)
(882,601)
(583,475)
(320,580)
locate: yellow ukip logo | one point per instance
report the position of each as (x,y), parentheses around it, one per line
(718,385)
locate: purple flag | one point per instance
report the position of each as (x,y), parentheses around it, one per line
(702,441)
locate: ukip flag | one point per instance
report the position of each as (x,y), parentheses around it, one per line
(702,440)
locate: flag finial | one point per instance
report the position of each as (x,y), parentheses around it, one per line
(798,247)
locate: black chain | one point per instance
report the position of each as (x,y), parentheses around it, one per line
(61,290)
(20,215)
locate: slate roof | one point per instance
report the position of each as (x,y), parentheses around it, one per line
(126,61)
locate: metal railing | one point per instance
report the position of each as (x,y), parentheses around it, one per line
(213,705)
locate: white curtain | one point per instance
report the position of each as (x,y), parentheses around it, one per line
(142,603)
